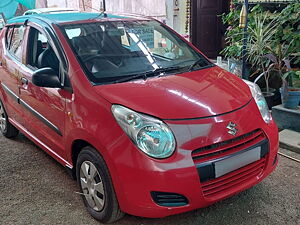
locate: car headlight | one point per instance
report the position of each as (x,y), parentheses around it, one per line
(149,134)
(260,101)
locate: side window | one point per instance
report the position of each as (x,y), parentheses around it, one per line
(42,38)
(8,36)
(40,53)
(16,42)
(2,24)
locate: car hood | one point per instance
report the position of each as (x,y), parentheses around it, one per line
(196,94)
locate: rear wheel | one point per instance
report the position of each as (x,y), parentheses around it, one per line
(6,128)
(96,186)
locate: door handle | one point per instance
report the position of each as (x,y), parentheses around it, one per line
(24,81)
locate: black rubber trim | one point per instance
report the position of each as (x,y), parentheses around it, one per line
(30,109)
(206,117)
(10,93)
(206,171)
(168,199)
(275,159)
(264,149)
(40,117)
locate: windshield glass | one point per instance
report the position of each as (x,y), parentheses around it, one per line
(113,51)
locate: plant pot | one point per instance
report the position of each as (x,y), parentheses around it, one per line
(277,95)
(269,98)
(271,90)
(291,101)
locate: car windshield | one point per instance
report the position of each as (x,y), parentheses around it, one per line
(116,51)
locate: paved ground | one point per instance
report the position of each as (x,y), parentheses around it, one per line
(34,189)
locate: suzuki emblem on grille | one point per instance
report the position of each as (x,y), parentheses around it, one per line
(231,128)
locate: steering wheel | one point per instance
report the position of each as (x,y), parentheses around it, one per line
(89,58)
(107,58)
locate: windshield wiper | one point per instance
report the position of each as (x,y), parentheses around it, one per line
(147,74)
(167,69)
(200,61)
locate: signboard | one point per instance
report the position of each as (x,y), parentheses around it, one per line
(145,34)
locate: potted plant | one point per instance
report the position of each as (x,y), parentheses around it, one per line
(281,64)
(262,31)
(290,95)
(261,35)
(267,31)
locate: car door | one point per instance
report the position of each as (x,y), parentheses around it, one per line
(11,57)
(45,107)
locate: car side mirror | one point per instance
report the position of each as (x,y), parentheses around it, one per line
(46,77)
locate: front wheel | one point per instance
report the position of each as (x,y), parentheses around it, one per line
(96,186)
(6,128)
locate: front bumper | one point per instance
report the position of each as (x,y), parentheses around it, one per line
(136,175)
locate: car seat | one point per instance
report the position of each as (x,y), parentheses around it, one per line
(48,59)
(89,43)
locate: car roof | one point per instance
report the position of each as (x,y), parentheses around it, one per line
(63,18)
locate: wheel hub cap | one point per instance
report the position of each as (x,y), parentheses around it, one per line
(92,185)
(2,118)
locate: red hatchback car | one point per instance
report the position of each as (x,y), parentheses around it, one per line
(145,122)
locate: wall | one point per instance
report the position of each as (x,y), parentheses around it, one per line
(60,3)
(56,3)
(160,9)
(155,8)
(176,15)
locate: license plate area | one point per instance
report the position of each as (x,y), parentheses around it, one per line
(237,161)
(218,167)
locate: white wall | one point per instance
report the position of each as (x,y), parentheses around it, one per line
(160,9)
(155,8)
(74,4)
(176,15)
(58,3)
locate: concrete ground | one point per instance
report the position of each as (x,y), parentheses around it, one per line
(34,189)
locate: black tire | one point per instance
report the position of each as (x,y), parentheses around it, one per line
(111,211)
(6,128)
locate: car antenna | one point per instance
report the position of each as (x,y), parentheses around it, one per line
(102,12)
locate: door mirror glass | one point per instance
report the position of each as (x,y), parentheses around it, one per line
(46,77)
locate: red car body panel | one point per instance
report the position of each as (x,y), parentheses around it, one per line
(196,90)
(197,106)
(178,173)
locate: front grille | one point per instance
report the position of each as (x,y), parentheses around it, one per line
(216,187)
(205,158)
(169,199)
(228,147)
